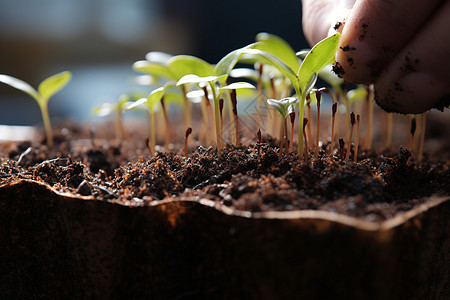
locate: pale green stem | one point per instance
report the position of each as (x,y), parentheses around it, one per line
(217,119)
(152,129)
(48,128)
(302,100)
(187,108)
(231,116)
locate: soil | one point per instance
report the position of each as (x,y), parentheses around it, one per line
(255,177)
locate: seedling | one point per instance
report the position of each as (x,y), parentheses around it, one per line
(222,69)
(259,143)
(147,144)
(291,143)
(117,109)
(412,131)
(305,122)
(153,98)
(188,133)
(318,98)
(302,76)
(341,148)
(333,116)
(352,121)
(284,107)
(369,117)
(233,99)
(46,89)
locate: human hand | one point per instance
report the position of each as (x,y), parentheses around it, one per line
(402,46)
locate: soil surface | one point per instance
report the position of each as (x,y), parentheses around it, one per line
(255,177)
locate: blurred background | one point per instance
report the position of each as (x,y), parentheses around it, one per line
(98,40)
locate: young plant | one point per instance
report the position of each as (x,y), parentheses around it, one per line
(186,136)
(352,121)
(305,122)
(214,82)
(153,98)
(124,103)
(284,107)
(302,76)
(42,95)
(333,119)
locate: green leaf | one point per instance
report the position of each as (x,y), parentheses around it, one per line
(154,97)
(278,47)
(194,79)
(268,58)
(227,63)
(104,109)
(237,85)
(20,85)
(136,104)
(53,84)
(182,65)
(319,56)
(158,57)
(283,106)
(154,69)
(251,74)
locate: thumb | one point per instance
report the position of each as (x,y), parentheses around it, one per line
(321,17)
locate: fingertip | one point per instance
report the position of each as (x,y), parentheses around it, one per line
(414,93)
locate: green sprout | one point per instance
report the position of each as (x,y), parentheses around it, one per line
(46,89)
(214,82)
(272,50)
(123,104)
(285,107)
(151,101)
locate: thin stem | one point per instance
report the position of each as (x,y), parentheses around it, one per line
(422,137)
(152,129)
(233,101)
(352,121)
(188,132)
(412,131)
(210,112)
(217,119)
(308,115)
(259,143)
(47,125)
(333,119)
(305,121)
(286,141)
(301,113)
(187,107)
(355,156)
(205,123)
(259,100)
(369,116)
(231,117)
(221,116)
(147,141)
(291,143)
(166,123)
(318,96)
(341,148)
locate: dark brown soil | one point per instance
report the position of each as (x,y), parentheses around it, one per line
(252,178)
